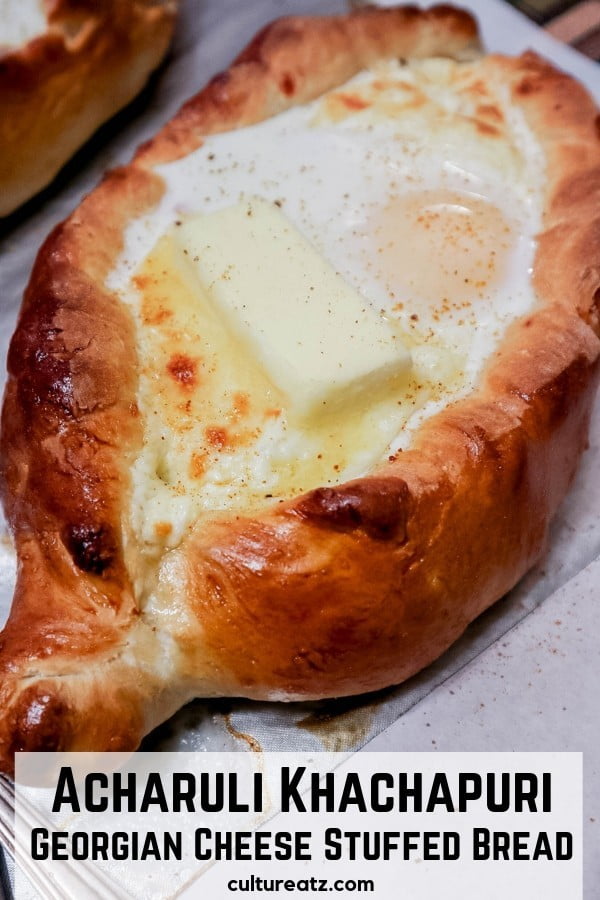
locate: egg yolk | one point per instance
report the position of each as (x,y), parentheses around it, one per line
(438,246)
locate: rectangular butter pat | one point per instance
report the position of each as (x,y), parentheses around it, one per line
(314,336)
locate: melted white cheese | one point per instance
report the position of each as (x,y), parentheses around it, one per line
(21,21)
(424,194)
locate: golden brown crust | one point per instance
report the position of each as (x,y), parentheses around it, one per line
(294,60)
(344,589)
(61,86)
(69,424)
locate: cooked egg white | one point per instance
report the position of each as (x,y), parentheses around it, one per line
(422,188)
(21,21)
